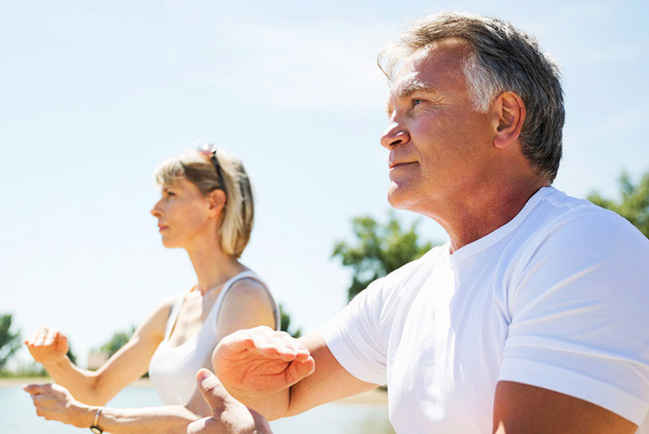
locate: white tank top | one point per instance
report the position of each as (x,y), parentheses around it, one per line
(173,367)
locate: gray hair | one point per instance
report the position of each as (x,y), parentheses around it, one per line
(503,58)
(237,220)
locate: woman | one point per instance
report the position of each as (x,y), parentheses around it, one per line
(207,209)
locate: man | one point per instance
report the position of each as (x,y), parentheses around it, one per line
(531,319)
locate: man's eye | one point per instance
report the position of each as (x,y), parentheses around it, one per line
(416,101)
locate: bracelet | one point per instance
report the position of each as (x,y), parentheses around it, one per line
(96,428)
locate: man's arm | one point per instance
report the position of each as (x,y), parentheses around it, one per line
(280,376)
(329,382)
(524,409)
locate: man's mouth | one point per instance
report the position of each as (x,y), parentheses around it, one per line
(400,164)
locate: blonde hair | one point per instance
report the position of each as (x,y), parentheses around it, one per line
(237,219)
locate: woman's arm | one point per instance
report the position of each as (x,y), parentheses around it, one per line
(54,402)
(247,304)
(125,366)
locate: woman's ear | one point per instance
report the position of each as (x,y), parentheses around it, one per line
(216,200)
(509,115)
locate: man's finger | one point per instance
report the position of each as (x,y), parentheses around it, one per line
(302,369)
(197,426)
(35,388)
(212,390)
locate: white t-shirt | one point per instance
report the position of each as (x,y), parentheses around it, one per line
(557,298)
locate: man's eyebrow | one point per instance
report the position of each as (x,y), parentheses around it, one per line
(412,87)
(408,89)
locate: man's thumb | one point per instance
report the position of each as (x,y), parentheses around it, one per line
(211,389)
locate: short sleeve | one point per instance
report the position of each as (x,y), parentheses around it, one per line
(354,337)
(580,315)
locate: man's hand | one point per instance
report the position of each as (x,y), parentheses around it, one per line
(229,416)
(260,361)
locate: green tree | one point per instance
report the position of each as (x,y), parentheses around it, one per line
(70,354)
(9,341)
(379,250)
(633,204)
(117,341)
(285,323)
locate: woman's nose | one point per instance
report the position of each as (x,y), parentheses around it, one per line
(155,211)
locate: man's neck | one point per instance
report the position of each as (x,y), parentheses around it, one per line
(468,220)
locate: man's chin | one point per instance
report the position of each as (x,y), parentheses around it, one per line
(397,199)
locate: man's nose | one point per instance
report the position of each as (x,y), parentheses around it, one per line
(394,134)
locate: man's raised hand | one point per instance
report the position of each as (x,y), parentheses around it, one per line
(260,361)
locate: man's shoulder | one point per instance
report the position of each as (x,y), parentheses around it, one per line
(560,216)
(564,232)
(408,274)
(426,261)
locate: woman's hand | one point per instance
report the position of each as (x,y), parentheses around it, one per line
(47,345)
(54,402)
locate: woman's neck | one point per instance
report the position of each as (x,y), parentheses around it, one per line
(213,267)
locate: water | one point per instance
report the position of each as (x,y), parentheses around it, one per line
(17,415)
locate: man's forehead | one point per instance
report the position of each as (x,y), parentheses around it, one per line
(421,68)
(407,84)
(414,75)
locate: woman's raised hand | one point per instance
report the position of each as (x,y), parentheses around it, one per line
(47,345)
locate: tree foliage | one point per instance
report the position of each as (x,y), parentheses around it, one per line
(117,341)
(285,323)
(9,341)
(379,250)
(633,204)
(70,354)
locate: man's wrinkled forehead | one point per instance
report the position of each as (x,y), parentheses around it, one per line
(407,85)
(418,71)
(408,80)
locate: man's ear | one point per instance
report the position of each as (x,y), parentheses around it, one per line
(509,115)
(216,201)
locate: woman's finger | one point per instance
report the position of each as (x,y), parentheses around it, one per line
(51,336)
(41,335)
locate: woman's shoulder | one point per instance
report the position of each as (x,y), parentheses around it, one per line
(248,303)
(247,289)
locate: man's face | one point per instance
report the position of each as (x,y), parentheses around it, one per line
(440,145)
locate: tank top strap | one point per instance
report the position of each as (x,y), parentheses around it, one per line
(173,314)
(216,308)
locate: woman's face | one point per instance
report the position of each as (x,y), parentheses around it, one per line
(184,214)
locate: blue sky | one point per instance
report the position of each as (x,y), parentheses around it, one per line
(93,95)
